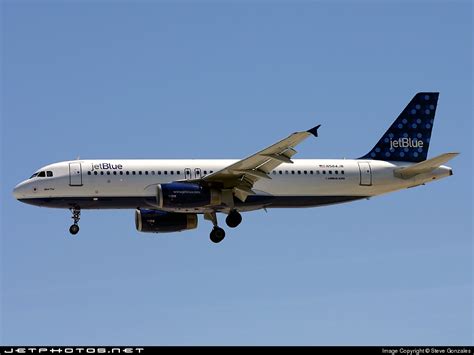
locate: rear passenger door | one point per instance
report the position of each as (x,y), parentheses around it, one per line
(365,174)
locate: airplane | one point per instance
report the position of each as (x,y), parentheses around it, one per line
(168,195)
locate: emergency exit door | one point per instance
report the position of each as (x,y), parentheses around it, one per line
(197,173)
(187,174)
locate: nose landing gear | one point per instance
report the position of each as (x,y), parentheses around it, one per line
(76,216)
(74,229)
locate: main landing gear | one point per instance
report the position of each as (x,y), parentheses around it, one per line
(218,234)
(233,219)
(76,216)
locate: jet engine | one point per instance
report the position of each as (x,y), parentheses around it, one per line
(186,195)
(161,222)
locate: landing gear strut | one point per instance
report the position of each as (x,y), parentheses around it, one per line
(217,233)
(76,216)
(233,219)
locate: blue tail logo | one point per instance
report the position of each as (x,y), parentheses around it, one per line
(408,138)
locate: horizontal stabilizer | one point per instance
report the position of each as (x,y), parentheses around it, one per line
(423,167)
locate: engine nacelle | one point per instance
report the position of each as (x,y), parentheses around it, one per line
(162,222)
(184,195)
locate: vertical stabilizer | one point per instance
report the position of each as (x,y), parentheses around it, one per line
(408,138)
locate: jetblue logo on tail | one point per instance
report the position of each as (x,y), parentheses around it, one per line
(408,138)
(406,143)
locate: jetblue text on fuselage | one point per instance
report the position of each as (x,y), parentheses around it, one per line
(406,143)
(106,166)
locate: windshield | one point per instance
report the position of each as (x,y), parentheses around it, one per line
(48,173)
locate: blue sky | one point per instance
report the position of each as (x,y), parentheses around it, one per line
(223,80)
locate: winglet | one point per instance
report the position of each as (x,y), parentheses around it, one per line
(314,130)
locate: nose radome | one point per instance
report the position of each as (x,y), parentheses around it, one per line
(16,191)
(19,190)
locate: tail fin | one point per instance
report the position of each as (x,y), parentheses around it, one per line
(408,138)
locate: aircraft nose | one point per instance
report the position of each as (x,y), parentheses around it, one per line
(20,190)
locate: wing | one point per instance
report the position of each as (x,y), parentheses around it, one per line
(242,175)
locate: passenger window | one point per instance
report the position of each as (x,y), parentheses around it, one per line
(286,172)
(101,173)
(89,173)
(342,172)
(293,172)
(153,172)
(330,172)
(274,172)
(211,171)
(121,173)
(306,172)
(171,172)
(127,173)
(41,174)
(280,172)
(115,173)
(108,172)
(95,172)
(133,172)
(299,172)
(205,172)
(324,172)
(139,173)
(311,172)
(146,172)
(166,172)
(336,172)
(159,172)
(178,172)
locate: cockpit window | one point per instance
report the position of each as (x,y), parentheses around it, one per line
(48,173)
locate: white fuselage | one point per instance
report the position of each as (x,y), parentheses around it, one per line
(98,184)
